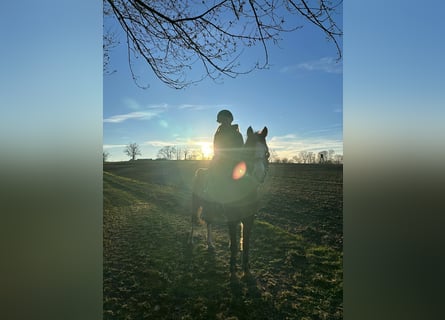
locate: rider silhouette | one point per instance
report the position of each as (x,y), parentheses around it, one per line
(227,145)
(227,142)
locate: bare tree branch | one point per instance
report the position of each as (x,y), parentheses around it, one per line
(175,37)
(132,150)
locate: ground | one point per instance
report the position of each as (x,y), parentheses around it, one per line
(151,272)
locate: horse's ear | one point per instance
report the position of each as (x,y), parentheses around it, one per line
(264,132)
(249,131)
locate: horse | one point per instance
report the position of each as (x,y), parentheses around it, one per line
(232,198)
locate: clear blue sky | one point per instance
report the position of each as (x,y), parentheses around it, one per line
(299,99)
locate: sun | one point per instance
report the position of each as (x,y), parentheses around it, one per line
(207,150)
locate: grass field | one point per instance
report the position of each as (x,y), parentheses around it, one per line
(150,272)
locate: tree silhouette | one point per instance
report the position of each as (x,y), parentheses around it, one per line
(173,36)
(132,150)
(186,151)
(105,155)
(167,152)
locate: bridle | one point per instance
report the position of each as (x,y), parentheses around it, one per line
(258,162)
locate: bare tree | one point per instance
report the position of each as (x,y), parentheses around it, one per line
(311,157)
(172,36)
(178,152)
(273,158)
(304,156)
(167,152)
(186,152)
(338,158)
(105,155)
(132,150)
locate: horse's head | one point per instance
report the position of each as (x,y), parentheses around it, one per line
(257,154)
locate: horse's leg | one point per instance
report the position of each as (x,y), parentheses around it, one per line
(233,245)
(210,244)
(241,227)
(195,216)
(193,222)
(247,229)
(190,240)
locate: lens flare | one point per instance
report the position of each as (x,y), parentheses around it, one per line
(239,171)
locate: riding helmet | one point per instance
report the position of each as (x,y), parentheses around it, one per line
(224,114)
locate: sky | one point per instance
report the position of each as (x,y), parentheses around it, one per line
(298,98)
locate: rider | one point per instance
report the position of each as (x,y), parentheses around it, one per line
(227,145)
(227,142)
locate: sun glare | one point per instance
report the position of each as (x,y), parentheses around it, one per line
(239,171)
(207,150)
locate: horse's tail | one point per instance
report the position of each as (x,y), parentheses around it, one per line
(199,183)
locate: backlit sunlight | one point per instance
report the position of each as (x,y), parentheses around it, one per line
(207,150)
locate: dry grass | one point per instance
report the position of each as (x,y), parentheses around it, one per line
(151,273)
